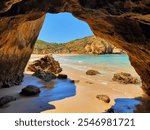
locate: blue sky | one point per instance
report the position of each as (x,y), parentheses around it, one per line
(63,27)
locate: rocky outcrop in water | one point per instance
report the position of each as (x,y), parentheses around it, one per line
(46,63)
(126,24)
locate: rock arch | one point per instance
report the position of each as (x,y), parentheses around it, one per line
(125,23)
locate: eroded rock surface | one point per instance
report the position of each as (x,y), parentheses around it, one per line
(92,72)
(46,63)
(16,45)
(103,98)
(126,24)
(44,75)
(125,78)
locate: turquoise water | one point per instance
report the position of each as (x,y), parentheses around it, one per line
(113,60)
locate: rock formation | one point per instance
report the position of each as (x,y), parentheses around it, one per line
(46,63)
(6,99)
(86,45)
(92,72)
(125,78)
(125,23)
(30,90)
(104,98)
(44,75)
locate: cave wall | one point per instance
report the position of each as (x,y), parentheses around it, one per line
(125,23)
(16,46)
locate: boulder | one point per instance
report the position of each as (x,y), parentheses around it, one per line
(62,76)
(30,90)
(92,72)
(125,78)
(46,63)
(104,98)
(44,75)
(6,99)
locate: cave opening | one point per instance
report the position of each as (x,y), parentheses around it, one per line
(23,22)
(101,58)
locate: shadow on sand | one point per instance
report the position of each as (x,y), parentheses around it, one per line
(131,105)
(57,89)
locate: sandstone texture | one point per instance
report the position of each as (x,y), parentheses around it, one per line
(92,72)
(103,98)
(124,23)
(125,78)
(44,75)
(86,45)
(46,63)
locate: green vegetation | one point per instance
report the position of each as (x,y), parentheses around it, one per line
(87,45)
(75,46)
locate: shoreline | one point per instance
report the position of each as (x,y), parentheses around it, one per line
(88,87)
(67,54)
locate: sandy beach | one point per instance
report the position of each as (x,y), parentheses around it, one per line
(87,88)
(90,86)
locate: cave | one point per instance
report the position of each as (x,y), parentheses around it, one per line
(127,27)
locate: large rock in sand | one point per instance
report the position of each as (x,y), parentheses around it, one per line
(30,90)
(47,63)
(92,72)
(44,75)
(104,98)
(6,99)
(125,78)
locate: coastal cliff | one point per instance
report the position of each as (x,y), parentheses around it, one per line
(87,45)
(126,24)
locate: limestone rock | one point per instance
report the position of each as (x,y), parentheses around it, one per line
(6,99)
(44,75)
(16,46)
(92,72)
(125,78)
(104,98)
(30,90)
(47,63)
(117,51)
